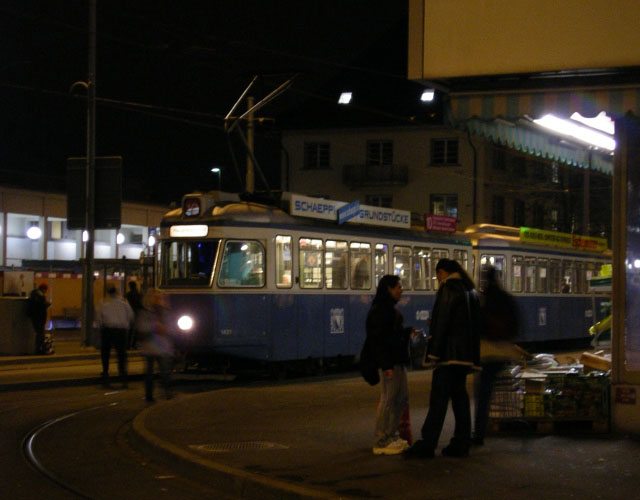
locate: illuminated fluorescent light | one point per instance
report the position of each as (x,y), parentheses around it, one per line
(428,95)
(572,129)
(345,98)
(601,122)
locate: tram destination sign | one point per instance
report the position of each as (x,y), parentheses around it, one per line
(318,208)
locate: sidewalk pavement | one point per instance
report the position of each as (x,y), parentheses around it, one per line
(312,439)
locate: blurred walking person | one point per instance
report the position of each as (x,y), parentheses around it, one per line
(500,325)
(134,297)
(390,349)
(115,318)
(155,341)
(453,348)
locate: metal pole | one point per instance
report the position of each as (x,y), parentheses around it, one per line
(250,171)
(87,274)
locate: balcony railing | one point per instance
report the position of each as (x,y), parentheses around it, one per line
(358,176)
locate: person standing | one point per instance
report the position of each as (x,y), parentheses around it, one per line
(37,311)
(114,318)
(156,344)
(453,348)
(500,325)
(134,297)
(390,350)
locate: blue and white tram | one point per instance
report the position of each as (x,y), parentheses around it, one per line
(549,282)
(250,281)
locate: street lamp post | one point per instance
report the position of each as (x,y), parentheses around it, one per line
(218,171)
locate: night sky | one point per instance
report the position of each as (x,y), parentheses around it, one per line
(167,74)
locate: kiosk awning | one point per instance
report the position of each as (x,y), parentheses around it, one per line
(514,104)
(539,144)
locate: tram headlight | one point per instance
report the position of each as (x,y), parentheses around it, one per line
(185,323)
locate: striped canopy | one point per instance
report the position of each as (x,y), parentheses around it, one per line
(562,103)
(539,144)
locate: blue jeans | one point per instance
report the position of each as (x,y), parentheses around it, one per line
(449,382)
(393,399)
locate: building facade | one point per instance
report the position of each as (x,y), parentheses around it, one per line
(33,226)
(445,171)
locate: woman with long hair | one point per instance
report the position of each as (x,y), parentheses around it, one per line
(390,341)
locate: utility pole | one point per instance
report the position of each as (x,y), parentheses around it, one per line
(87,272)
(250,131)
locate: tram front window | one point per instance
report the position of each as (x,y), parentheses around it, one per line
(188,263)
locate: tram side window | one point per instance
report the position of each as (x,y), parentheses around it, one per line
(336,255)
(188,263)
(495,261)
(310,251)
(555,276)
(462,257)
(402,265)
(421,268)
(284,261)
(360,265)
(381,259)
(530,274)
(517,264)
(242,264)
(568,276)
(436,255)
(542,281)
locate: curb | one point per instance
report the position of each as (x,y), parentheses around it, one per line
(230,480)
(52,384)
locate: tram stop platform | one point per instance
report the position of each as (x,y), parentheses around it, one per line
(72,363)
(313,439)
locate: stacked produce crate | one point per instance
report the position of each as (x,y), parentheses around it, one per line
(551,397)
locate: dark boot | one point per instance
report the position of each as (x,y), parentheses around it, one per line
(457,448)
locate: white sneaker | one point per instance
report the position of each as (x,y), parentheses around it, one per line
(393,448)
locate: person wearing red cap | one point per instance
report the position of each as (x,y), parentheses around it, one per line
(37,312)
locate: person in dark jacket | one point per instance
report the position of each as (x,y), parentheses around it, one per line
(37,312)
(453,348)
(390,346)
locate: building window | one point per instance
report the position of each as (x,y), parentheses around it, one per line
(554,219)
(499,159)
(538,216)
(555,175)
(317,156)
(444,204)
(519,167)
(518,213)
(379,200)
(379,152)
(497,211)
(444,152)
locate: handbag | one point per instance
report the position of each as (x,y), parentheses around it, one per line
(368,365)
